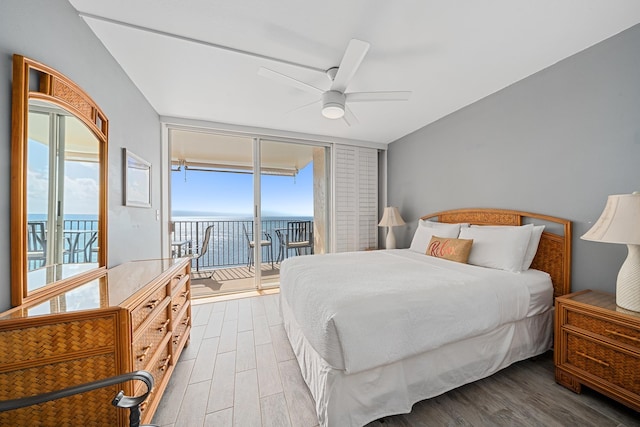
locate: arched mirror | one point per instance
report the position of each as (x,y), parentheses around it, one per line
(58,183)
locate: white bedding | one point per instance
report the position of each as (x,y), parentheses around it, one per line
(344,400)
(367,309)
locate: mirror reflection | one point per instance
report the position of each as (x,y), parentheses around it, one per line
(63,178)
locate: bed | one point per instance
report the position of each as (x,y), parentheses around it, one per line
(374,332)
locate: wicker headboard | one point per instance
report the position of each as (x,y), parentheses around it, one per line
(554,251)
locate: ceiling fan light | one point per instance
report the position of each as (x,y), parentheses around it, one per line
(332,111)
(333,104)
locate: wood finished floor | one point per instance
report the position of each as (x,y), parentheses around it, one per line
(239,370)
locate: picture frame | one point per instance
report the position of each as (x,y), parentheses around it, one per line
(136,179)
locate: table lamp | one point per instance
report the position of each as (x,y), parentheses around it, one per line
(620,223)
(391,218)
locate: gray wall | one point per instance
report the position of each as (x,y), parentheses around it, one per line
(556,143)
(51,32)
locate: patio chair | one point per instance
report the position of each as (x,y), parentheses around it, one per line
(198,252)
(251,243)
(298,235)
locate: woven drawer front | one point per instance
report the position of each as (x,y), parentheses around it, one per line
(41,342)
(144,310)
(158,368)
(180,331)
(86,409)
(179,299)
(146,344)
(179,279)
(605,362)
(605,328)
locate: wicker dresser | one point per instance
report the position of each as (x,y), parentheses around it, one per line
(136,316)
(597,344)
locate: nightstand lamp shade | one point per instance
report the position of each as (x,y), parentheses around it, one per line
(620,223)
(391,218)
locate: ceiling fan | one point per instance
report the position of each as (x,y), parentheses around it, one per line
(335,99)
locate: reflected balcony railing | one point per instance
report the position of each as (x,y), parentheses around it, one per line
(228,244)
(80,243)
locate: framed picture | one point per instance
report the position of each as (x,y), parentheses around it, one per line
(137,180)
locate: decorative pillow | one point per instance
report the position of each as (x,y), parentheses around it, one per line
(426,230)
(451,249)
(532,246)
(501,247)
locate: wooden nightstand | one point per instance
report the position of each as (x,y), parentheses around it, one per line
(597,344)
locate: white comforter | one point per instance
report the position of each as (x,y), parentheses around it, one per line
(365,309)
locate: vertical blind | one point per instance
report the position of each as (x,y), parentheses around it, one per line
(355,191)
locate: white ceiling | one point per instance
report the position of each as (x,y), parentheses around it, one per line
(449,53)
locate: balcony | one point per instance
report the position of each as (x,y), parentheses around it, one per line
(228,254)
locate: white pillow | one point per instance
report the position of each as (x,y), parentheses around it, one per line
(532,248)
(427,229)
(501,247)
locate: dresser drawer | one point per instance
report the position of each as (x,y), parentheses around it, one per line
(615,366)
(158,367)
(607,328)
(179,279)
(181,330)
(147,341)
(180,299)
(147,308)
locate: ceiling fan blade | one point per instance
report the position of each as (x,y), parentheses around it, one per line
(377,96)
(349,118)
(279,77)
(353,56)
(304,106)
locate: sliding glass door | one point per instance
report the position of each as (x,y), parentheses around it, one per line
(261,200)
(293,192)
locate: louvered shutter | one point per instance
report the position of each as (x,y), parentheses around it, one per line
(355,190)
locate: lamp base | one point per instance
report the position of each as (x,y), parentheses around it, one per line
(628,284)
(391,240)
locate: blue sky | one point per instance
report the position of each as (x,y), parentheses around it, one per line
(232,193)
(80,183)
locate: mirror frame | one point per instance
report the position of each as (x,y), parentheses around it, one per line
(57,89)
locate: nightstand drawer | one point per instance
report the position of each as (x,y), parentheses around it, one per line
(615,366)
(606,328)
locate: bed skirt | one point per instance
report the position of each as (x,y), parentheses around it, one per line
(357,399)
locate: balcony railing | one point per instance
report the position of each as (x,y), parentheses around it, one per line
(78,247)
(228,244)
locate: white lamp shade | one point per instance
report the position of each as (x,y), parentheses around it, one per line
(619,221)
(391,217)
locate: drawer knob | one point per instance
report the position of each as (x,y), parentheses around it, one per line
(618,334)
(165,363)
(163,325)
(175,307)
(185,322)
(152,304)
(145,351)
(176,339)
(184,294)
(586,356)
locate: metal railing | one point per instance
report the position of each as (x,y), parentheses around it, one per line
(120,400)
(85,245)
(228,245)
